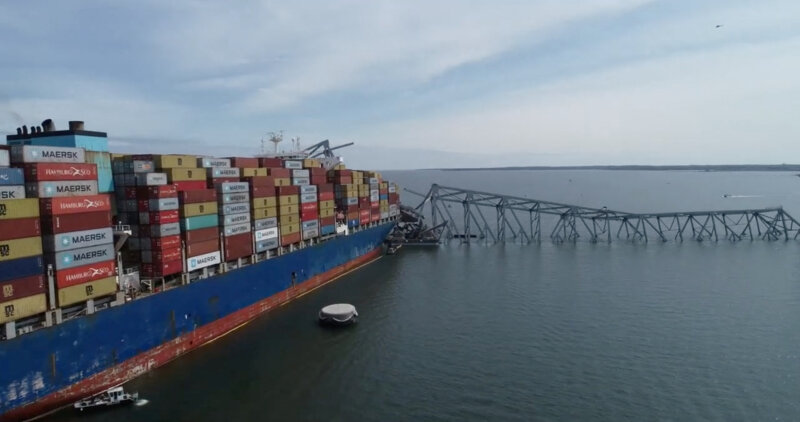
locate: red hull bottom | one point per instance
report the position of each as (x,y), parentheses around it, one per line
(181,345)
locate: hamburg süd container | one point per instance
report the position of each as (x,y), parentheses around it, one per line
(37,172)
(160,243)
(164,230)
(155,256)
(157,192)
(85,273)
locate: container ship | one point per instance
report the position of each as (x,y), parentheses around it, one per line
(112,264)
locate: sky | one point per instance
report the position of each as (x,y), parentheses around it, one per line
(416,84)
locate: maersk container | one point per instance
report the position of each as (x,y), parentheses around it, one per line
(163,204)
(79,239)
(151,179)
(235,208)
(233,198)
(105,178)
(12,192)
(265,234)
(268,244)
(82,256)
(216,172)
(53,189)
(236,229)
(292,164)
(142,166)
(164,230)
(19,268)
(310,233)
(202,261)
(23,307)
(83,292)
(301,181)
(308,198)
(304,173)
(208,162)
(266,223)
(230,219)
(313,224)
(11,176)
(199,222)
(46,154)
(308,189)
(352,201)
(233,187)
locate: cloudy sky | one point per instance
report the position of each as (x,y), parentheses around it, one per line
(417,83)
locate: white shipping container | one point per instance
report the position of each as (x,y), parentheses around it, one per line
(231,219)
(300,181)
(313,224)
(202,261)
(12,192)
(215,172)
(265,234)
(267,244)
(208,162)
(301,173)
(5,158)
(234,229)
(46,154)
(142,166)
(79,239)
(308,197)
(392,189)
(235,208)
(62,188)
(266,223)
(164,204)
(233,187)
(233,198)
(164,230)
(308,189)
(293,164)
(352,201)
(384,215)
(151,179)
(310,234)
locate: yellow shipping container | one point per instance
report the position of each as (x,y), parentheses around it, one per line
(185,174)
(311,163)
(20,248)
(384,185)
(289,219)
(329,204)
(82,292)
(384,202)
(288,200)
(19,208)
(328,212)
(23,307)
(357,175)
(177,161)
(283,181)
(340,167)
(290,228)
(202,208)
(288,209)
(267,202)
(259,213)
(250,172)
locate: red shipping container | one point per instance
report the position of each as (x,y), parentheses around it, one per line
(244,162)
(308,206)
(163,269)
(213,183)
(327,221)
(197,196)
(200,235)
(238,246)
(318,171)
(363,214)
(22,287)
(325,196)
(157,192)
(270,162)
(266,181)
(200,248)
(309,215)
(58,224)
(19,228)
(130,193)
(85,273)
(163,243)
(160,257)
(352,208)
(74,204)
(375,205)
(38,172)
(325,187)
(161,217)
(345,173)
(262,191)
(288,239)
(280,172)
(190,185)
(342,180)
(318,180)
(287,190)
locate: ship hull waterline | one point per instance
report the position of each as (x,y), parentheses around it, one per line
(369,249)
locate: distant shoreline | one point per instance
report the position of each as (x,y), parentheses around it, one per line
(723,167)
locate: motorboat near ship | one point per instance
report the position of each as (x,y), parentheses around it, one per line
(338,314)
(111,397)
(112,265)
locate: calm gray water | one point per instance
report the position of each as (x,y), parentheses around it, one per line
(689,331)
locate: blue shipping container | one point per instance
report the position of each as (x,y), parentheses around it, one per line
(384,196)
(352,223)
(326,230)
(11,176)
(105,178)
(199,222)
(23,267)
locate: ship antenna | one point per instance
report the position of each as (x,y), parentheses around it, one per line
(276,138)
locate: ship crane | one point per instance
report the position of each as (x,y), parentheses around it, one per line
(326,151)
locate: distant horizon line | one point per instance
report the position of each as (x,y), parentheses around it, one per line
(696,167)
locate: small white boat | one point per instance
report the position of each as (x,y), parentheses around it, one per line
(338,314)
(110,397)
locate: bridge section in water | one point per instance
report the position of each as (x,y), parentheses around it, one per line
(468,214)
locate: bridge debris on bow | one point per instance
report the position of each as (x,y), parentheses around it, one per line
(469,214)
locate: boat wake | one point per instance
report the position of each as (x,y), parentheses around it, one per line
(141,402)
(742,196)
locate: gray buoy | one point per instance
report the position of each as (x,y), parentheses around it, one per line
(338,314)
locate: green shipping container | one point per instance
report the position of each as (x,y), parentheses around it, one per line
(199,222)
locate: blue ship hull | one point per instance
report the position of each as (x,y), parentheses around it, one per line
(55,366)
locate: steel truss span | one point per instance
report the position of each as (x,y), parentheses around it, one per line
(492,217)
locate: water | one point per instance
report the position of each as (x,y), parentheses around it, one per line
(689,331)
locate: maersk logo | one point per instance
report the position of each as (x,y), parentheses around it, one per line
(49,189)
(65,241)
